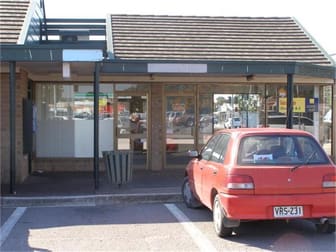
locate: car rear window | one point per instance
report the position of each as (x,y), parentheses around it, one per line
(280,150)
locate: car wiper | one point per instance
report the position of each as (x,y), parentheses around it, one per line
(305,163)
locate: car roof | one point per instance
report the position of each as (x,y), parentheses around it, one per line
(267,131)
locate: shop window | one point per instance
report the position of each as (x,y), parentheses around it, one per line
(221,106)
(325,116)
(237,110)
(65,120)
(180,129)
(310,110)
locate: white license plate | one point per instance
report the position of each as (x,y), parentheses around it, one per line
(287,211)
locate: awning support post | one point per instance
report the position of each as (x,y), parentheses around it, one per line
(96,126)
(12,125)
(290,91)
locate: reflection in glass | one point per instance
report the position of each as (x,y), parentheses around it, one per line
(69,102)
(237,110)
(180,129)
(207,119)
(64,125)
(132,127)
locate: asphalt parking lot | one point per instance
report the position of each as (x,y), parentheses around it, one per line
(144,227)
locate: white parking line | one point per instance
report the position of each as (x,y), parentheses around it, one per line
(7,227)
(202,242)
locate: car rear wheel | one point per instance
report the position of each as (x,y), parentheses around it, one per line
(188,196)
(218,219)
(325,228)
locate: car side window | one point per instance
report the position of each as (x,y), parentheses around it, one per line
(209,147)
(220,149)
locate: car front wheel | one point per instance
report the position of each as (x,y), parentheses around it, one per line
(218,219)
(188,196)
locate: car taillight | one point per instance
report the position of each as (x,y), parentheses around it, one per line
(243,182)
(329,181)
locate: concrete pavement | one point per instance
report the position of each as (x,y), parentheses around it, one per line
(77,188)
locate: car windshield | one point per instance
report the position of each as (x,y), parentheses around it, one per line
(280,150)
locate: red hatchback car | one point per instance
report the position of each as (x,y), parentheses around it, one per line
(262,174)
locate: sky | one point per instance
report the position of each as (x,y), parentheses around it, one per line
(317,17)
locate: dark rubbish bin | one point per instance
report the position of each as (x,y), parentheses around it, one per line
(118,165)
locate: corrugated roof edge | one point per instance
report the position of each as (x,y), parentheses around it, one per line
(109,37)
(33,5)
(200,16)
(325,53)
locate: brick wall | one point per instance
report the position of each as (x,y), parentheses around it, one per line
(21,160)
(156,157)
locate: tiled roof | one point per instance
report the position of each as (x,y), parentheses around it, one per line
(213,38)
(12,16)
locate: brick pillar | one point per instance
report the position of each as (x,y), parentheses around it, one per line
(4,126)
(156,151)
(21,159)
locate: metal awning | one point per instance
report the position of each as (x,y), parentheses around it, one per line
(32,56)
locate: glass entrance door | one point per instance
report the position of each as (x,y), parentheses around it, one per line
(180,130)
(132,127)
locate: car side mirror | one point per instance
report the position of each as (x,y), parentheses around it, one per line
(194,154)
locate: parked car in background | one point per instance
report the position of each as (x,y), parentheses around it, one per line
(207,119)
(180,118)
(299,122)
(262,174)
(232,123)
(186,120)
(327,118)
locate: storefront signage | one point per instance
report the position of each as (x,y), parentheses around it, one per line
(82,55)
(311,104)
(90,95)
(282,92)
(176,68)
(300,105)
(283,105)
